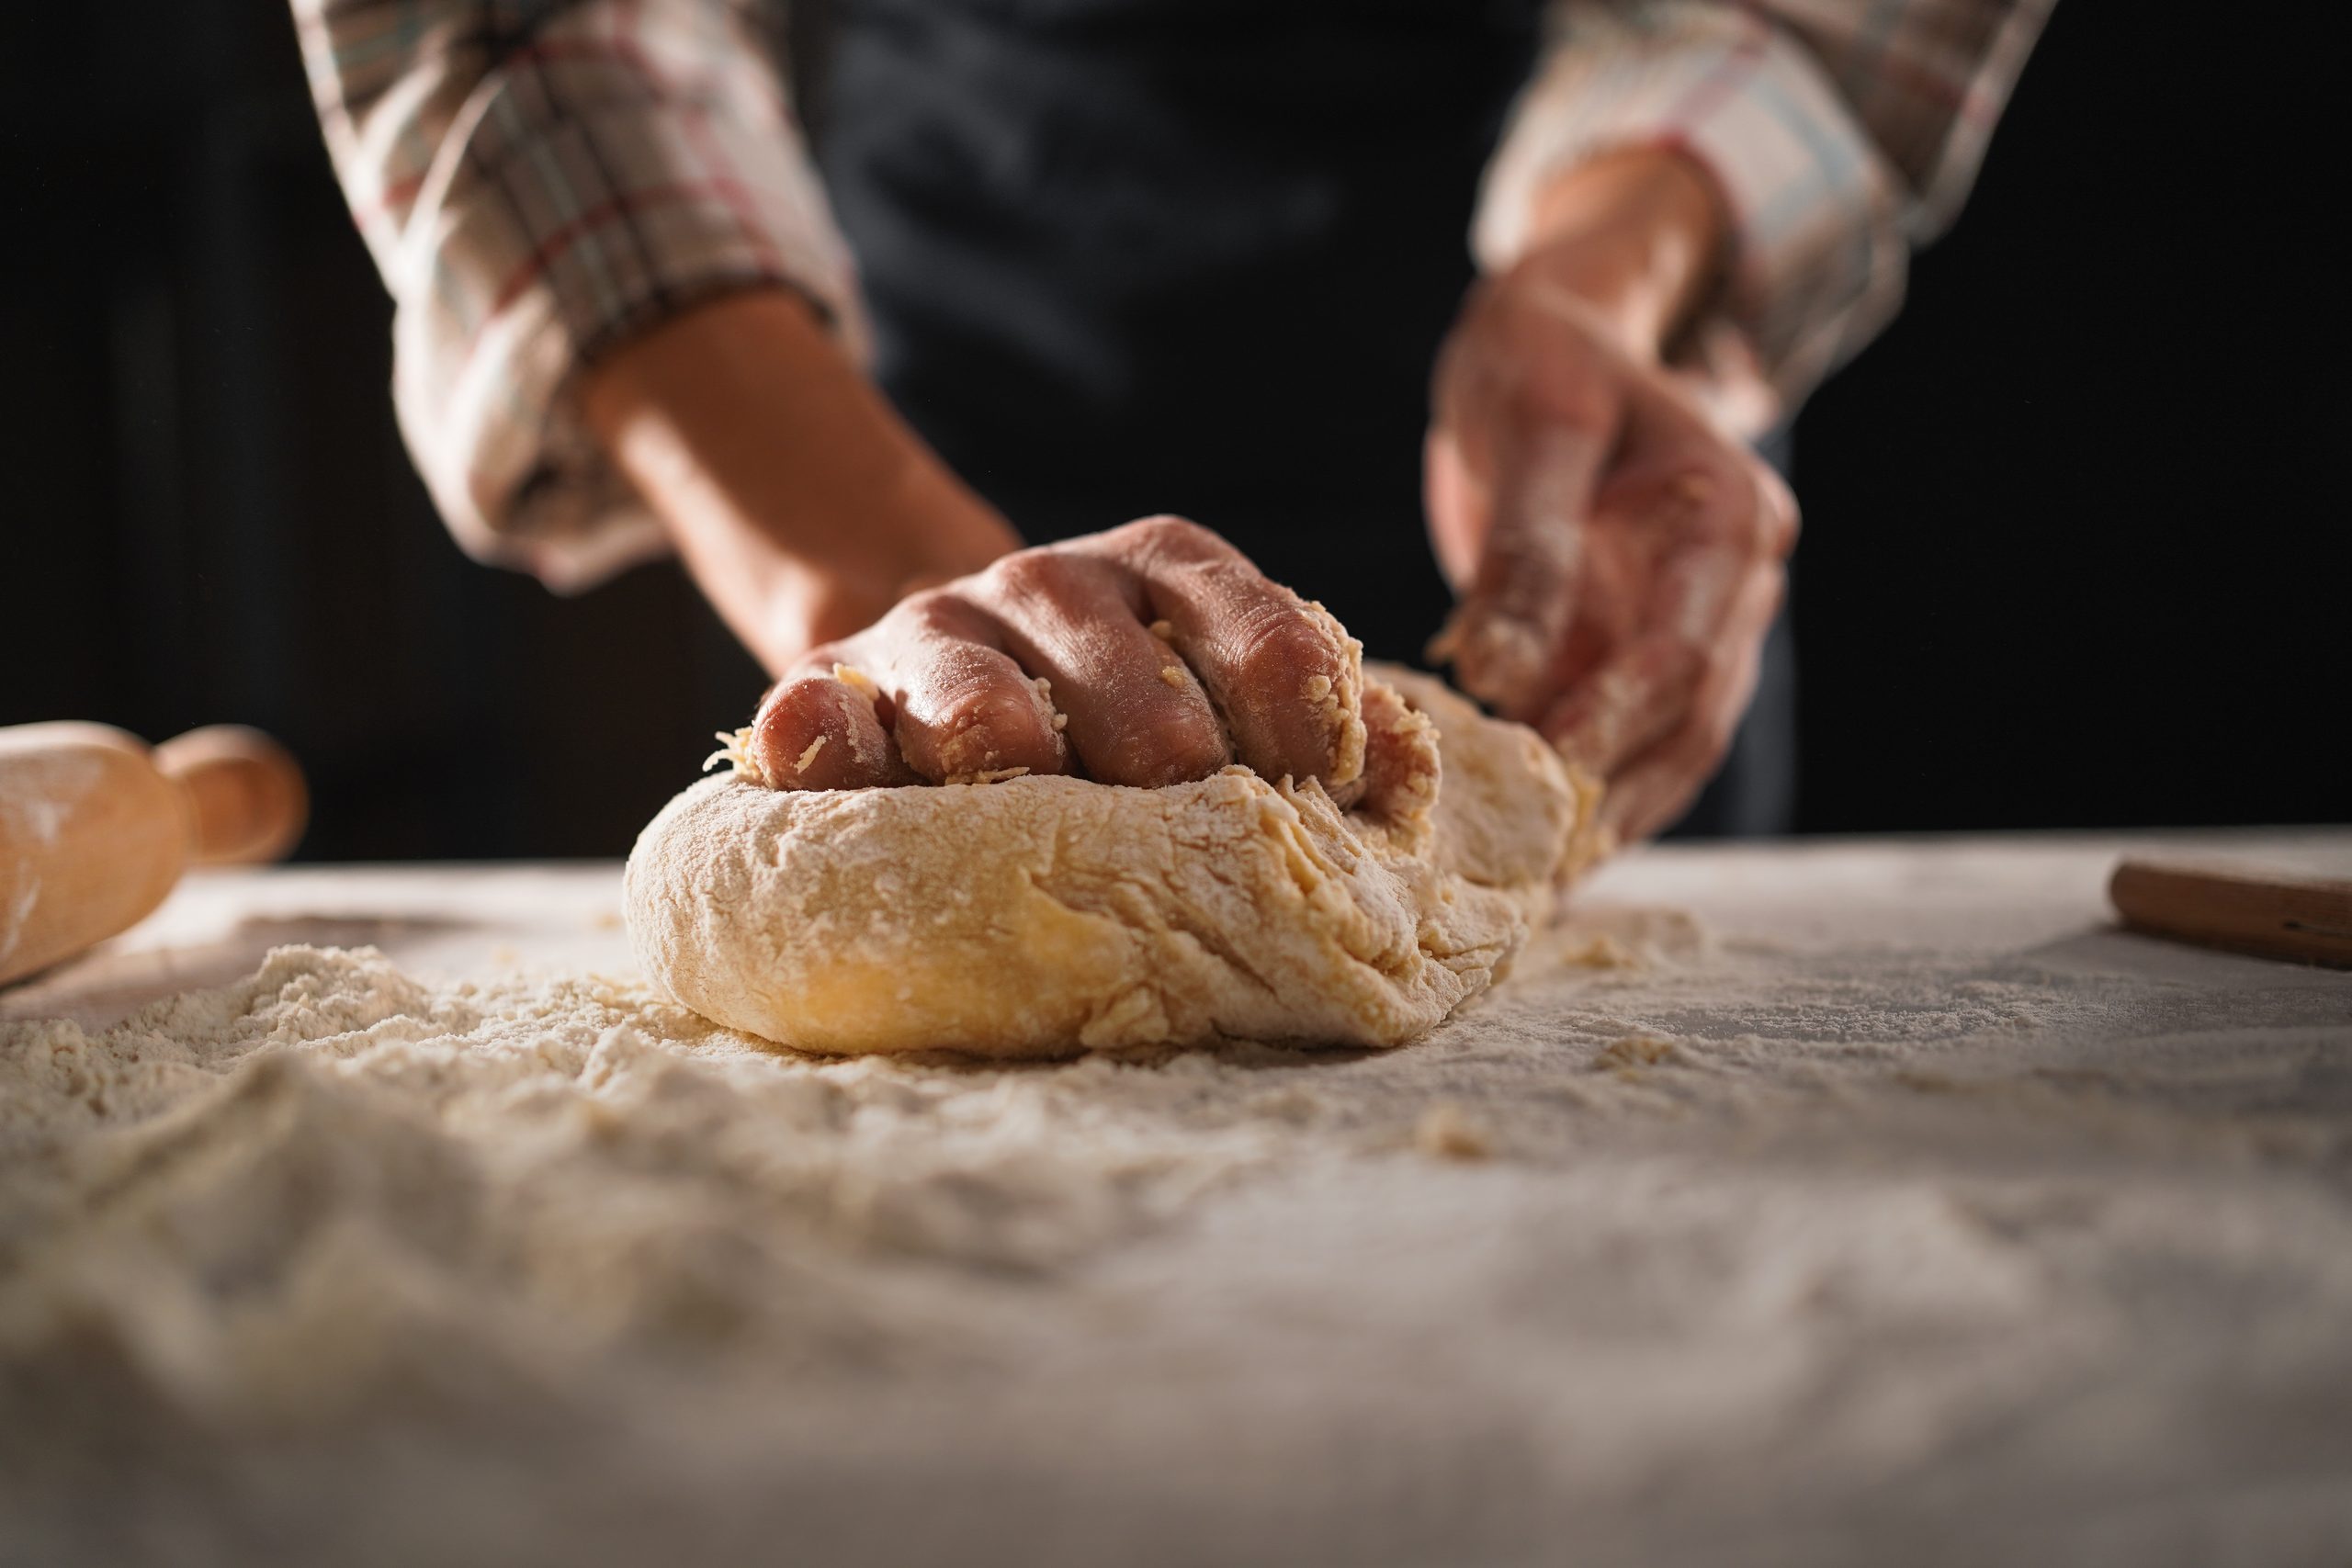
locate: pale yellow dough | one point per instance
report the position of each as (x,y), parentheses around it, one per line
(1044,916)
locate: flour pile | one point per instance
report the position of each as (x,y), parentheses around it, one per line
(331,1198)
(1758,1241)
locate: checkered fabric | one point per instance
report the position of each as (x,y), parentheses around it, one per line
(539,178)
(1841,132)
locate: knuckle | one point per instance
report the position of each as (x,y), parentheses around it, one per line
(1029,574)
(1166,535)
(1722,498)
(1274,652)
(818,662)
(933,612)
(1748,501)
(1747,505)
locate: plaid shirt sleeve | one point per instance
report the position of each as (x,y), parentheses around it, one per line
(1840,131)
(537,178)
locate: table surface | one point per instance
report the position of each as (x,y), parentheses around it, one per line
(1965,895)
(1825,1201)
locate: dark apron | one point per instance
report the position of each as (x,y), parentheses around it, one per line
(1128,257)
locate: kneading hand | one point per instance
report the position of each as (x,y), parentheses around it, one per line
(1618,551)
(1152,654)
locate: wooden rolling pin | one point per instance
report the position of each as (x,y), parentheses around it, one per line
(2276,915)
(95,828)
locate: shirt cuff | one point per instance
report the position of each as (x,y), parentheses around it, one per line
(584,195)
(1818,258)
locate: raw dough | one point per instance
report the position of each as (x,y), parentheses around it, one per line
(1041,915)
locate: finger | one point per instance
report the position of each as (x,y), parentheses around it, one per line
(1777,506)
(1673,459)
(1458,454)
(1657,787)
(817,731)
(1503,636)
(1138,716)
(1638,696)
(1651,796)
(964,710)
(1714,550)
(1401,766)
(1460,503)
(1283,676)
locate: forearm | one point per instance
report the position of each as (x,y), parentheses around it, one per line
(800,501)
(1835,134)
(544,184)
(1816,258)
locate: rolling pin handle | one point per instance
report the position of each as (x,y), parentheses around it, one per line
(2237,909)
(245,795)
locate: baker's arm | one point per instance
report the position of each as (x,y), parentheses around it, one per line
(1837,133)
(625,320)
(537,181)
(1699,211)
(616,280)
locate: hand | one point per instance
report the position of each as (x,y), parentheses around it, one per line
(1148,655)
(1617,550)
(857,567)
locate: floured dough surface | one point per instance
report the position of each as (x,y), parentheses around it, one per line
(1041,916)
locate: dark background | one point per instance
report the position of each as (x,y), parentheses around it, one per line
(2077,546)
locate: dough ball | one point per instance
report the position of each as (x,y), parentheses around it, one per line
(1044,916)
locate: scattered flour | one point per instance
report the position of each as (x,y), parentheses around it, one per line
(1781,1248)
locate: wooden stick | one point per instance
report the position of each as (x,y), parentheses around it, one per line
(2273,914)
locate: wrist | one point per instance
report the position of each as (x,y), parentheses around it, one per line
(1639,234)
